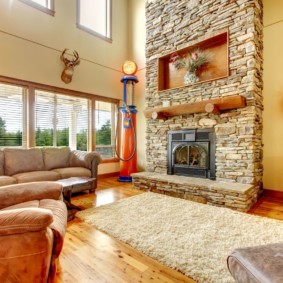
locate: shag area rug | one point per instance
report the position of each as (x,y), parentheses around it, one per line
(191,237)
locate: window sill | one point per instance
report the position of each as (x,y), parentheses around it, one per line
(50,12)
(110,160)
(92,32)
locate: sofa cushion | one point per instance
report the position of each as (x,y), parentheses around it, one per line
(18,160)
(73,172)
(1,163)
(7,180)
(37,176)
(17,193)
(56,157)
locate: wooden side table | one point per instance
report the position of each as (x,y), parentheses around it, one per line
(71,184)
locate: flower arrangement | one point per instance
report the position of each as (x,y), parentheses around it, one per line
(192,61)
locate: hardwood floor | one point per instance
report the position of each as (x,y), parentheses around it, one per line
(89,255)
(269,207)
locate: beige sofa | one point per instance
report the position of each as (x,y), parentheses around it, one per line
(19,165)
(33,221)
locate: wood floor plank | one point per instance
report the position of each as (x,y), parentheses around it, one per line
(90,255)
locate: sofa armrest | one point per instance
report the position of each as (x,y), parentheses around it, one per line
(59,225)
(18,193)
(87,159)
(16,221)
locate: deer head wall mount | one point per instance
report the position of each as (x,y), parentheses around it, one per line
(68,71)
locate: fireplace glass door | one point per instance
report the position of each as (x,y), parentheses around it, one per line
(191,154)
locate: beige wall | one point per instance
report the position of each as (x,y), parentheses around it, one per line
(31,43)
(137,53)
(273,95)
(28,60)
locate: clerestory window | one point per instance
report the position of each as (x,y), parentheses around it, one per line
(46,6)
(94,16)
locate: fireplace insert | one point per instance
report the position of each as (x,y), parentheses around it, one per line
(192,153)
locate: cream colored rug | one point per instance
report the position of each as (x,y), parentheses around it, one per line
(191,237)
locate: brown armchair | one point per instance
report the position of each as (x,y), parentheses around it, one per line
(33,221)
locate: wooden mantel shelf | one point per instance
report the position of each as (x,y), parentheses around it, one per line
(215,106)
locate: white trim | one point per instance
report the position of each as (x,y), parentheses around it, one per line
(50,11)
(108,24)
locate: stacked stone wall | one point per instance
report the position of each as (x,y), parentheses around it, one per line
(176,24)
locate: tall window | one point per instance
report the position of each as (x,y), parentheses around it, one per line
(61,120)
(43,5)
(11,115)
(105,124)
(94,16)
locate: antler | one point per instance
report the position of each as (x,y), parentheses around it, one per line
(68,62)
(64,59)
(77,58)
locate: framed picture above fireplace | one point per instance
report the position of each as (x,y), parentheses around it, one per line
(214,50)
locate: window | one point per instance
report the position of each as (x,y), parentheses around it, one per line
(46,6)
(94,16)
(12,115)
(105,124)
(40,115)
(61,120)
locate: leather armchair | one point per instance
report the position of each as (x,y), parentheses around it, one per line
(33,221)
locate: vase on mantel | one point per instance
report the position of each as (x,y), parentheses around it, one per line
(190,77)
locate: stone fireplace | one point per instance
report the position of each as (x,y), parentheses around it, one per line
(172,26)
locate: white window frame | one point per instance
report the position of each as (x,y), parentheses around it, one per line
(48,10)
(108,24)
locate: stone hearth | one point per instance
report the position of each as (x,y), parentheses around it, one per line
(232,195)
(177,24)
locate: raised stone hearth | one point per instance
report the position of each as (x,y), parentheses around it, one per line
(233,195)
(178,24)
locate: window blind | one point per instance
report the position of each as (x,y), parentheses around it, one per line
(11,115)
(61,120)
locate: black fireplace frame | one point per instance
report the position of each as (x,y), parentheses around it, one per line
(191,137)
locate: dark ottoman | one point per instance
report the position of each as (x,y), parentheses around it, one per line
(257,264)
